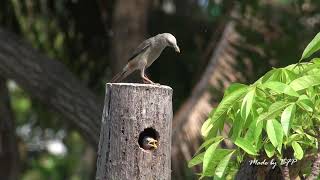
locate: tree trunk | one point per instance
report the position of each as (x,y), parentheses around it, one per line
(51,83)
(132,113)
(130,28)
(9,154)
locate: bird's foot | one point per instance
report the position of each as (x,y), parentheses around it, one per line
(148,82)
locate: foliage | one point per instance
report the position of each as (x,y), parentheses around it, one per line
(79,34)
(280,111)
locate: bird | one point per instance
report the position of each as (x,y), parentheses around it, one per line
(149,143)
(145,54)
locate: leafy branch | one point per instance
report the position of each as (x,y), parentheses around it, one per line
(278,112)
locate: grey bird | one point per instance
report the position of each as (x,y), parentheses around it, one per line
(145,54)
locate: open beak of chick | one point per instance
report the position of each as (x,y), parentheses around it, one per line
(150,143)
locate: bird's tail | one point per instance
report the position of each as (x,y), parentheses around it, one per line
(118,77)
(121,75)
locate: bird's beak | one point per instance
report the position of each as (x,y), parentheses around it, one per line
(177,49)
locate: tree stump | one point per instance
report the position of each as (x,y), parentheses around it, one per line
(133,113)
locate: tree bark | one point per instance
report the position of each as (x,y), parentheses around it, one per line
(129,30)
(315,171)
(9,154)
(51,83)
(131,113)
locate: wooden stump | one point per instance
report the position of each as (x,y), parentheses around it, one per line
(131,113)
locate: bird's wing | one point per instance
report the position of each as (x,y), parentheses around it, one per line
(141,48)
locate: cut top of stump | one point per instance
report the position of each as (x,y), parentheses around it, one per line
(151,86)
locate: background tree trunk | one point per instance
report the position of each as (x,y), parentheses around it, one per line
(9,153)
(52,83)
(132,112)
(129,29)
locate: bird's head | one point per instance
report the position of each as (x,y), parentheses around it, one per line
(171,41)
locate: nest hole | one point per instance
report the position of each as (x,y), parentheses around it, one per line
(148,133)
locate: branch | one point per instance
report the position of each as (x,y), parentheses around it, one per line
(51,83)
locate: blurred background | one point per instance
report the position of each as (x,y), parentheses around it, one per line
(57,55)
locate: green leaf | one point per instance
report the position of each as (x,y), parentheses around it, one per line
(247,103)
(233,87)
(311,67)
(237,126)
(305,82)
(274,132)
(289,75)
(315,60)
(286,118)
(312,47)
(254,131)
(206,127)
(214,160)
(273,75)
(258,131)
(298,152)
(305,103)
(208,142)
(280,87)
(196,160)
(269,149)
(208,156)
(227,102)
(222,166)
(246,146)
(273,111)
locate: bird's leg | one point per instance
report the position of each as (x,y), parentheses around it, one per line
(148,80)
(144,77)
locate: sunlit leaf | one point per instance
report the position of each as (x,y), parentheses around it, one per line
(280,87)
(274,110)
(274,132)
(305,103)
(286,118)
(246,146)
(208,158)
(237,126)
(196,160)
(206,127)
(269,149)
(214,160)
(227,102)
(233,87)
(247,103)
(305,82)
(312,47)
(208,142)
(298,152)
(273,75)
(222,166)
(254,131)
